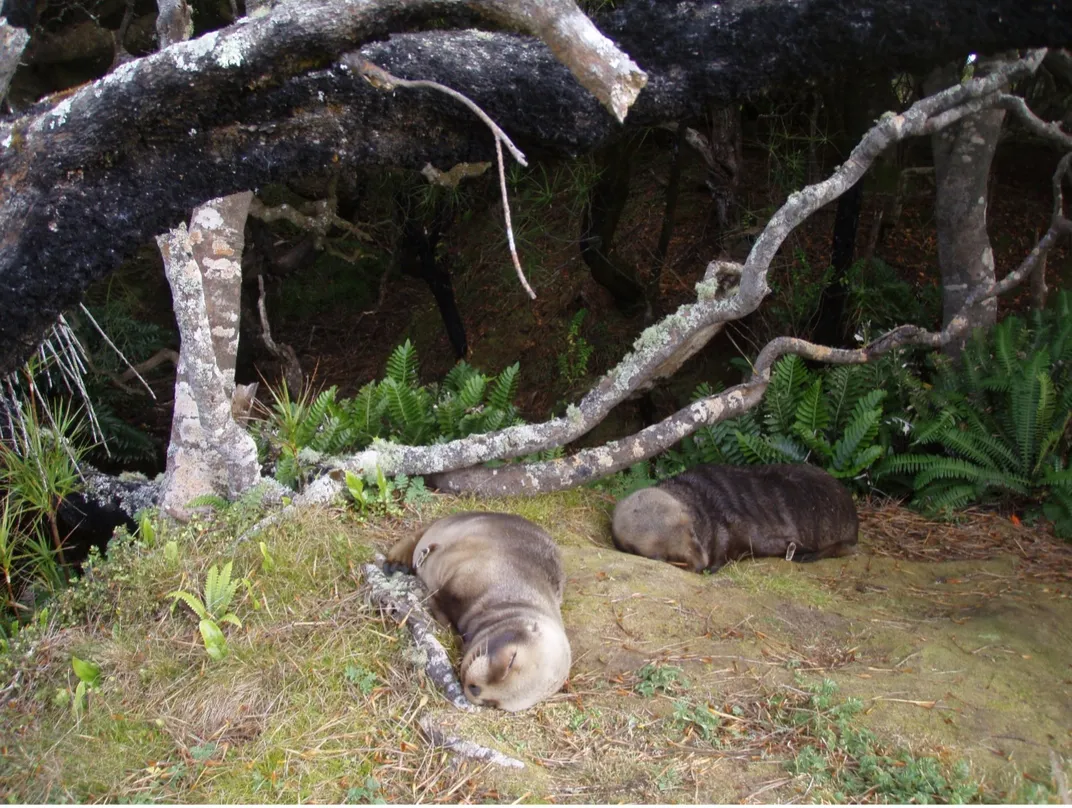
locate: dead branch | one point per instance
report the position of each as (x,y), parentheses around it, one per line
(13,42)
(465,748)
(157,359)
(401,597)
(382,80)
(693,323)
(594,463)
(325,216)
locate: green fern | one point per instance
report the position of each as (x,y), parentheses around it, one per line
(996,425)
(402,365)
(505,389)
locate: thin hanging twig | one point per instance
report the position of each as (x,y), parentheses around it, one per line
(382,80)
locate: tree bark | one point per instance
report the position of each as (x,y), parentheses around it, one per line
(963,153)
(599,223)
(261,101)
(12,43)
(209,452)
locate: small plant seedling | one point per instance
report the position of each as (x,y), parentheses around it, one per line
(146,530)
(88,674)
(368,794)
(654,679)
(267,560)
(362,678)
(212,610)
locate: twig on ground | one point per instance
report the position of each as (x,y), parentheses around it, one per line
(1059,779)
(401,597)
(463,747)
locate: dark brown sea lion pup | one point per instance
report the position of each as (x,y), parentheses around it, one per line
(711,514)
(497,579)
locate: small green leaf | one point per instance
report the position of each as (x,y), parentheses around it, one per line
(215,642)
(88,672)
(79,702)
(190,600)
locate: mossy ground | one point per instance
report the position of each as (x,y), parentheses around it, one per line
(319,700)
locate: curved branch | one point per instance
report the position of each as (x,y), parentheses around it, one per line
(693,323)
(592,464)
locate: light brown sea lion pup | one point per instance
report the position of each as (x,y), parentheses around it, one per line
(497,579)
(712,514)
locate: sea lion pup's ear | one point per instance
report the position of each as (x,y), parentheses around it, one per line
(400,556)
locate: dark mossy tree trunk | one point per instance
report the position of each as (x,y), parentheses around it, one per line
(858,100)
(599,223)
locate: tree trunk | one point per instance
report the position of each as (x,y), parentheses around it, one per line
(963,153)
(859,99)
(606,201)
(209,452)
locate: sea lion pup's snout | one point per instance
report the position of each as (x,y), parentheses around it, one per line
(654,524)
(516,666)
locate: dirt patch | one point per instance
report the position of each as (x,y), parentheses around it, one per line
(963,659)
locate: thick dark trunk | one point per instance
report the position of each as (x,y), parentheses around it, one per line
(417,257)
(861,100)
(606,201)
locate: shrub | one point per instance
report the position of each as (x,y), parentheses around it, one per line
(994,427)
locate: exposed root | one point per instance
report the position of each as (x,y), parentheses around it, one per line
(463,748)
(402,598)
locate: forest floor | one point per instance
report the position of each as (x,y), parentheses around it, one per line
(949,642)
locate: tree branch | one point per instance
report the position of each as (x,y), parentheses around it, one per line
(259,102)
(595,463)
(693,323)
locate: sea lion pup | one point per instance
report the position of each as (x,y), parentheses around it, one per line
(711,514)
(497,579)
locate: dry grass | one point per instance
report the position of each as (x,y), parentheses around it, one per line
(319,697)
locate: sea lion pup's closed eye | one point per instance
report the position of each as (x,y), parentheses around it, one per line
(497,580)
(711,514)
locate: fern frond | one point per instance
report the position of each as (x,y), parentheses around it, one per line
(861,430)
(812,415)
(788,379)
(757,449)
(842,386)
(505,387)
(190,600)
(457,376)
(950,498)
(472,392)
(402,365)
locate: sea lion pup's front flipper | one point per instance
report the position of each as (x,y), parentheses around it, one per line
(400,556)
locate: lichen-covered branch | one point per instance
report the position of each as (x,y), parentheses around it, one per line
(462,747)
(401,597)
(598,462)
(660,346)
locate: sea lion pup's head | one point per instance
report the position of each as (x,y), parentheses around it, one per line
(655,524)
(516,663)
